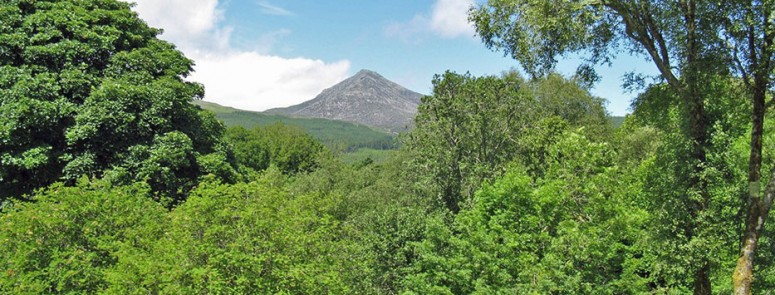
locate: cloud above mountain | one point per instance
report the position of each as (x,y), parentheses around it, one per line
(246,79)
(448,19)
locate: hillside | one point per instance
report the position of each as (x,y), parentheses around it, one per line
(616,121)
(337,135)
(366,98)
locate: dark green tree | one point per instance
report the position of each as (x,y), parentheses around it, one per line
(85,85)
(289,148)
(250,150)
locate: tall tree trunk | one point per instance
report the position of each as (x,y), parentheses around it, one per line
(758,205)
(758,209)
(698,124)
(698,132)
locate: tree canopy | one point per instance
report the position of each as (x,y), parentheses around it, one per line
(691,43)
(86,87)
(471,127)
(111,181)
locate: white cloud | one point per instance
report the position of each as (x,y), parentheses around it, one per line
(448,19)
(245,79)
(252,81)
(183,21)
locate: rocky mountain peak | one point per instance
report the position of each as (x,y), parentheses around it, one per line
(366,98)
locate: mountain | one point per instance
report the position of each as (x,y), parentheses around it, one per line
(337,135)
(366,98)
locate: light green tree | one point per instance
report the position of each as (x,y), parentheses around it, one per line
(79,239)
(574,230)
(470,127)
(290,148)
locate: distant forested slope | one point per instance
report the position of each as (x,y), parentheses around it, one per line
(616,121)
(337,135)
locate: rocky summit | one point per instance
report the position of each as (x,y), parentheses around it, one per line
(366,98)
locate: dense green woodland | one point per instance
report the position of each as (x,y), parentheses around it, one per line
(112,182)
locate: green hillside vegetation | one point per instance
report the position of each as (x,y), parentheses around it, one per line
(616,121)
(337,135)
(367,155)
(112,182)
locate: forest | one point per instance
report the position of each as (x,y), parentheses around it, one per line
(113,182)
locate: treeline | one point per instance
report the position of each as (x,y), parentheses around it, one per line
(112,182)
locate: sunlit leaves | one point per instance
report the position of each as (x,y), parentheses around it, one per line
(471,127)
(574,230)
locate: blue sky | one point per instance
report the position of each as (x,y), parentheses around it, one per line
(259,54)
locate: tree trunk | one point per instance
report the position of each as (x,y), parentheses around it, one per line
(758,205)
(698,133)
(702,281)
(758,209)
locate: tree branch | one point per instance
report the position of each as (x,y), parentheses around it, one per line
(636,29)
(741,68)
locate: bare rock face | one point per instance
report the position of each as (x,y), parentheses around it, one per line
(366,98)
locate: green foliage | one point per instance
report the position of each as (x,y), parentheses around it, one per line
(536,32)
(76,239)
(382,208)
(255,239)
(336,135)
(698,47)
(679,237)
(84,85)
(575,230)
(289,148)
(248,238)
(505,186)
(472,126)
(250,150)
(367,156)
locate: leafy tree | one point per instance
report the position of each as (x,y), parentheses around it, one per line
(666,179)
(382,208)
(574,230)
(85,85)
(689,42)
(256,238)
(249,150)
(289,148)
(472,126)
(749,30)
(77,239)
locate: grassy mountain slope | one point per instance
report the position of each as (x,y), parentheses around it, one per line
(337,135)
